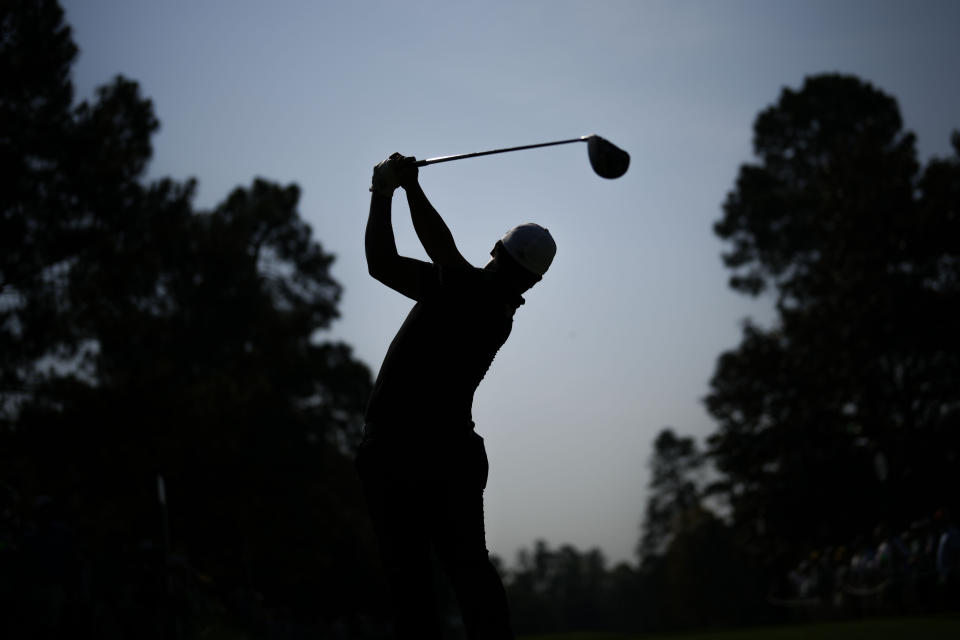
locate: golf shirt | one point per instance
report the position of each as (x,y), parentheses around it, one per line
(441,353)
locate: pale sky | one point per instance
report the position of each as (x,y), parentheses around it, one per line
(621,337)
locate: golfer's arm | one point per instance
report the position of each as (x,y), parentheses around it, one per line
(404,275)
(434,235)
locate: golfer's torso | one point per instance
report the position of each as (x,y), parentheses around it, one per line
(440,355)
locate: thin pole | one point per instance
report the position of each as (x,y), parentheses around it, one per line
(421,163)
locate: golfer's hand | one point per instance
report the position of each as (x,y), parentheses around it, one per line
(386,177)
(407,171)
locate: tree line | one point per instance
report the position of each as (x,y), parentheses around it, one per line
(176,432)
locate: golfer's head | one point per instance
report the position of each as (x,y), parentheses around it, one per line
(524,253)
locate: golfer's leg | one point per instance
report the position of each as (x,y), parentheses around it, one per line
(480,594)
(410,574)
(461,547)
(397,513)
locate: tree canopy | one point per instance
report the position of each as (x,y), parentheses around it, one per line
(140,337)
(844,413)
(673,503)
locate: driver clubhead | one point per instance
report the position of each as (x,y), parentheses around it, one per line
(608,160)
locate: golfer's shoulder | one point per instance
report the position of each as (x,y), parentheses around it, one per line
(461,275)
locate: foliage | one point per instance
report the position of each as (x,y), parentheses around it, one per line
(692,571)
(845,412)
(139,338)
(562,589)
(842,415)
(700,580)
(673,501)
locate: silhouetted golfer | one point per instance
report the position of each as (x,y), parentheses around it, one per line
(422,465)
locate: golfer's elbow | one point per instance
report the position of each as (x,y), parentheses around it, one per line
(375,269)
(379,276)
(388,276)
(379,267)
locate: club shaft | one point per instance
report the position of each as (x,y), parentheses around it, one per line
(421,163)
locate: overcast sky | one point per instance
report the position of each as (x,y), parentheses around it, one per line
(621,337)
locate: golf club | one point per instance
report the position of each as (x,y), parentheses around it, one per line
(607,160)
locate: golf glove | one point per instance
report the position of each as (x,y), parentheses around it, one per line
(386,177)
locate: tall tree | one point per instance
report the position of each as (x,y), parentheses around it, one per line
(36,98)
(673,503)
(845,412)
(139,337)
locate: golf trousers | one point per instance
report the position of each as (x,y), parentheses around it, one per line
(428,500)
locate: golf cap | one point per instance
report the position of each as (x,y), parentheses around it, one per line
(531,246)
